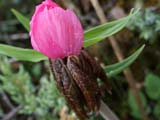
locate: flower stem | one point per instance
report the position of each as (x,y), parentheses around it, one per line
(107,113)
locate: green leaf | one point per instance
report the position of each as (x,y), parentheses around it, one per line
(117,68)
(100,32)
(133,105)
(21,53)
(23,20)
(156,110)
(152,86)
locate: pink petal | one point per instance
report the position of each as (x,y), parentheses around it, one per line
(55,32)
(69,30)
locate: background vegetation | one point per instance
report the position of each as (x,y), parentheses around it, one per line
(28,91)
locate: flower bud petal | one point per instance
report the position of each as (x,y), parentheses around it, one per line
(55,32)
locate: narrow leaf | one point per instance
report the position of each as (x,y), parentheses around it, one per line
(100,32)
(21,53)
(117,68)
(22,19)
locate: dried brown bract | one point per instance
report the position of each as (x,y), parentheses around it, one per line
(76,78)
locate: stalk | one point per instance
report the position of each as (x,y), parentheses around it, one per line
(107,113)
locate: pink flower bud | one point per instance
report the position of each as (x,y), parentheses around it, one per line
(55,32)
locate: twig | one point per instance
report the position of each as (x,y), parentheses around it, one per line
(6,100)
(11,114)
(127,72)
(107,113)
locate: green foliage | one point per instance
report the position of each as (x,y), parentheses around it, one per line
(22,19)
(115,69)
(152,86)
(156,110)
(38,100)
(36,70)
(147,24)
(18,85)
(100,32)
(21,53)
(133,105)
(48,96)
